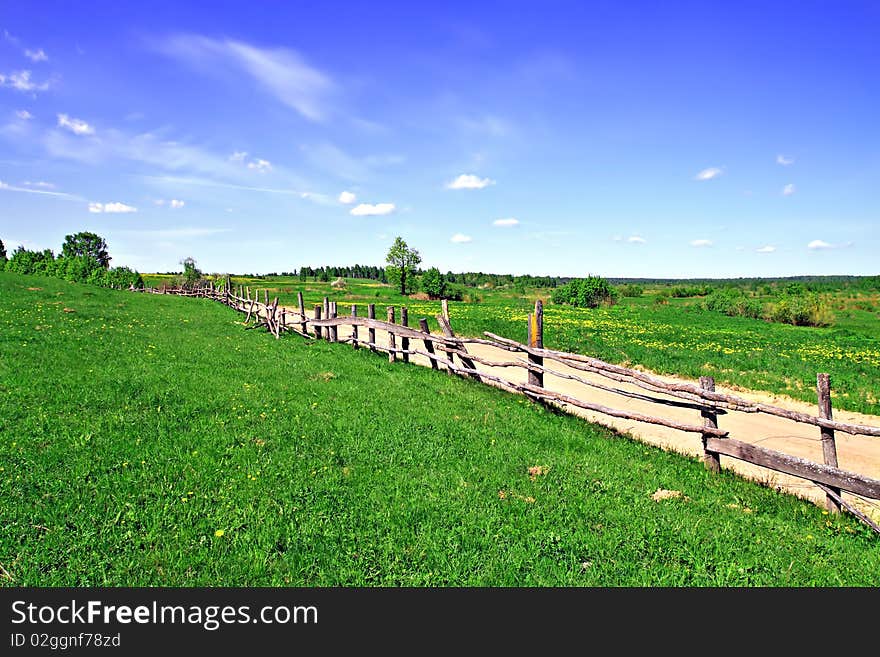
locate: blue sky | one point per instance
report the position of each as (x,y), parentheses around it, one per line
(639,139)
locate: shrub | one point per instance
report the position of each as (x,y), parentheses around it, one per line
(590,292)
(630,290)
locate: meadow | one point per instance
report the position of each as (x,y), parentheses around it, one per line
(675,337)
(152,440)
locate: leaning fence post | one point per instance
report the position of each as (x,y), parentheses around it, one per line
(266,296)
(536,341)
(354,328)
(371,332)
(392,340)
(404,342)
(318,317)
(302,313)
(829,448)
(429,344)
(710,421)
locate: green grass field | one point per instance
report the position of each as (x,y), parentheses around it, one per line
(152,440)
(677,338)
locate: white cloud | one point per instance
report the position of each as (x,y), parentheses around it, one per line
(238,156)
(469,181)
(367,209)
(76,126)
(41,183)
(788,190)
(458,238)
(280,71)
(708,174)
(24,115)
(636,239)
(175,204)
(38,55)
(21,81)
(111,208)
(347,198)
(506,222)
(260,165)
(767,249)
(784,161)
(6,187)
(159,201)
(819,244)
(701,243)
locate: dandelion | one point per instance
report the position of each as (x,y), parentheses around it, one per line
(219,533)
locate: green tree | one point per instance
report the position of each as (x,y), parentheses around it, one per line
(191,274)
(2,255)
(402,262)
(587,292)
(86,244)
(433,283)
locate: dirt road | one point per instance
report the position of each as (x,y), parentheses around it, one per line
(859,454)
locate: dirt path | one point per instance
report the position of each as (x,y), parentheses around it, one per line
(859,454)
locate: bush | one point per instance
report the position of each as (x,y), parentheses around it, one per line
(590,292)
(433,283)
(631,290)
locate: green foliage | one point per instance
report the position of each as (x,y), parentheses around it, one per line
(433,283)
(88,245)
(590,292)
(2,256)
(630,290)
(684,291)
(402,262)
(733,302)
(191,274)
(126,481)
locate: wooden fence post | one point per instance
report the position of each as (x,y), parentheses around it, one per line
(404,342)
(266,296)
(334,333)
(302,313)
(829,447)
(354,328)
(371,332)
(429,344)
(710,421)
(318,316)
(536,341)
(326,314)
(392,339)
(444,306)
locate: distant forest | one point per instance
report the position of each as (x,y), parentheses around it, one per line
(477,279)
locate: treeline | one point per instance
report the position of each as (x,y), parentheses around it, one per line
(83,259)
(467,279)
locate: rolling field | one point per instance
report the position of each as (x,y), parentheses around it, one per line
(150,440)
(677,338)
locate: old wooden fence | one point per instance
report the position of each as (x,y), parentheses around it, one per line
(449,352)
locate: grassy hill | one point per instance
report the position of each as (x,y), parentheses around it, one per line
(152,440)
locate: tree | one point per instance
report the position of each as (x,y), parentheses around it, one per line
(2,255)
(402,262)
(87,245)
(587,292)
(191,274)
(433,283)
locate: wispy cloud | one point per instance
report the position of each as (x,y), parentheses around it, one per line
(260,165)
(40,183)
(347,198)
(280,71)
(76,126)
(21,81)
(699,244)
(490,125)
(636,239)
(111,208)
(708,174)
(788,190)
(821,245)
(29,190)
(336,162)
(367,209)
(176,204)
(766,249)
(459,238)
(507,222)
(205,182)
(469,181)
(38,55)
(784,161)
(24,115)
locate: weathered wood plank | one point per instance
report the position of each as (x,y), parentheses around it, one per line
(392,340)
(710,421)
(429,344)
(371,333)
(794,465)
(829,448)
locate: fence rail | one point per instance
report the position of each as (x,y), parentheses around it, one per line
(448,351)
